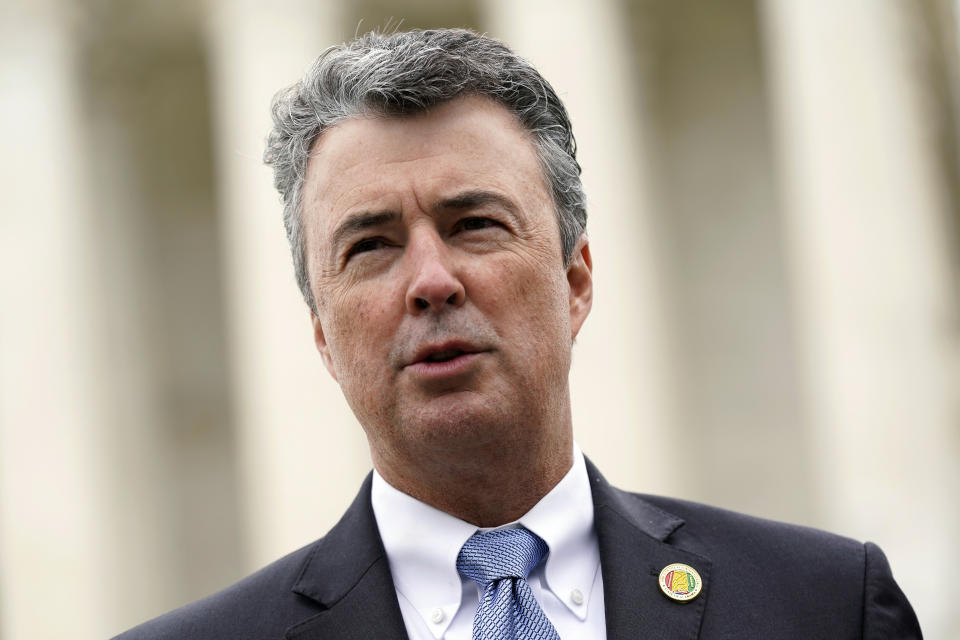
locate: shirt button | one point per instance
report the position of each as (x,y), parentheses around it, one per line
(576,597)
(436,617)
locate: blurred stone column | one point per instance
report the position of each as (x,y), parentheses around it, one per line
(55,574)
(619,412)
(867,211)
(737,410)
(301,453)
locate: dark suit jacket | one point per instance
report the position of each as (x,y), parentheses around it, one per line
(761,579)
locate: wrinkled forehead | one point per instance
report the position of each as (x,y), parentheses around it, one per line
(376,160)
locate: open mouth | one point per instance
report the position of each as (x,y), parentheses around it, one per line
(441,361)
(444,356)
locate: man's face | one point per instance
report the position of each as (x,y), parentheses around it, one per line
(443,306)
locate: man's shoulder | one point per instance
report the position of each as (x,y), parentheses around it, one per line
(343,569)
(261,605)
(746,547)
(717,532)
(814,579)
(716,529)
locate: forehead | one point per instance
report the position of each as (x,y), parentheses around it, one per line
(397,162)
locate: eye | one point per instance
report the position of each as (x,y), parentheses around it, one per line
(366,245)
(476,223)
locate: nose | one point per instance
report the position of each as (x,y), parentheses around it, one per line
(434,285)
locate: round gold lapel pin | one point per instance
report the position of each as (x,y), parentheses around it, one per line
(680,582)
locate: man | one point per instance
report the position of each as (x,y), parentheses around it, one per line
(437,221)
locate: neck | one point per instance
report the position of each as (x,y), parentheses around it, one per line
(486,485)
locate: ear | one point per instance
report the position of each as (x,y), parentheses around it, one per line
(580,279)
(321,342)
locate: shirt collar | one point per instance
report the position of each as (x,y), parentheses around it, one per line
(564,519)
(422,544)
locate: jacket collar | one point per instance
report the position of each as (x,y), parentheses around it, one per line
(347,573)
(635,545)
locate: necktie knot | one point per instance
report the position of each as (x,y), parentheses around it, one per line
(495,555)
(499,562)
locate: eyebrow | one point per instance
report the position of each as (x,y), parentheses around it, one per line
(362,220)
(476,198)
(359,221)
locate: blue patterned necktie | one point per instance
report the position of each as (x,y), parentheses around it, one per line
(500,561)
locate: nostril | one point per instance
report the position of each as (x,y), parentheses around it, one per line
(452,299)
(421,303)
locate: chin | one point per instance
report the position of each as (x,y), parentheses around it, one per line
(461,424)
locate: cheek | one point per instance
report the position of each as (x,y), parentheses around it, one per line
(539,305)
(359,330)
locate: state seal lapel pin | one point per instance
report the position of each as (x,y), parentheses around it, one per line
(680,582)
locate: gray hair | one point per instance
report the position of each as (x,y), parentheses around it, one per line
(406,73)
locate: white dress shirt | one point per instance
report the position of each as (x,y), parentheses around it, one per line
(437,603)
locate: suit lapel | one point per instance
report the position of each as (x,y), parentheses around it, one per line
(348,574)
(633,549)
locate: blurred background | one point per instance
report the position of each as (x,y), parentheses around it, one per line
(773,195)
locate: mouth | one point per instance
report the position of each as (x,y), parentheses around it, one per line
(443,360)
(439,352)
(444,356)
